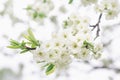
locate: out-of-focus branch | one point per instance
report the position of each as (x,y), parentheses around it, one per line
(107,43)
(117,70)
(106,64)
(97,26)
(111,27)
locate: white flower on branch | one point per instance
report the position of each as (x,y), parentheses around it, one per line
(111,8)
(74,41)
(40,9)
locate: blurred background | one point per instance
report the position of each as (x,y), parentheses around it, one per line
(15,21)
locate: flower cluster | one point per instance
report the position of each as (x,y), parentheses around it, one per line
(111,8)
(40,9)
(73,41)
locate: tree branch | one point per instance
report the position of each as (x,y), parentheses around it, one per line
(97,26)
(117,70)
(104,66)
(28,48)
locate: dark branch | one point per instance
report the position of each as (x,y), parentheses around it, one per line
(117,70)
(104,66)
(28,48)
(107,43)
(97,26)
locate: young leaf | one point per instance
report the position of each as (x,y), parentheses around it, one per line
(24,50)
(35,14)
(14,44)
(70,1)
(88,45)
(50,69)
(28,8)
(42,15)
(31,34)
(30,37)
(13,47)
(25,46)
(26,37)
(44,1)
(65,24)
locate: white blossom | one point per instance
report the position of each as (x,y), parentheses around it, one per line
(111,8)
(40,9)
(111,14)
(39,55)
(75,41)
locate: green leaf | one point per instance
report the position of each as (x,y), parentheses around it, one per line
(50,69)
(29,7)
(46,64)
(23,43)
(88,45)
(42,15)
(44,1)
(24,50)
(33,45)
(70,1)
(25,46)
(26,37)
(13,47)
(65,24)
(14,42)
(31,37)
(35,14)
(31,34)
(32,40)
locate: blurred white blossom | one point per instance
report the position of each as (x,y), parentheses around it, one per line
(40,9)
(111,8)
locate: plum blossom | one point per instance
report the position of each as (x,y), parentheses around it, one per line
(40,9)
(110,8)
(74,41)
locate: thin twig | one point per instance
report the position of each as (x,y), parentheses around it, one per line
(97,26)
(28,48)
(117,70)
(107,43)
(107,67)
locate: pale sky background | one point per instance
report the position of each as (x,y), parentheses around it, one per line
(77,71)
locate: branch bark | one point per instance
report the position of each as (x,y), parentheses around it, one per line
(97,25)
